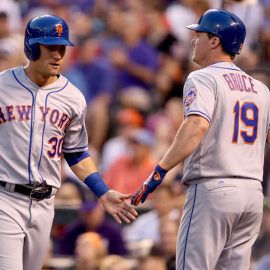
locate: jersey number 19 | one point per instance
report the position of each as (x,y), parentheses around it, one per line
(248,114)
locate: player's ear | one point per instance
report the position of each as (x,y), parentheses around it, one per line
(215,41)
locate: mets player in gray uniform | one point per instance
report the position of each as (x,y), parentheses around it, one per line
(42,118)
(222,141)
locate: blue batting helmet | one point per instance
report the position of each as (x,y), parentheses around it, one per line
(45,30)
(225,25)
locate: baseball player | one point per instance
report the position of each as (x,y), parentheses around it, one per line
(222,140)
(42,118)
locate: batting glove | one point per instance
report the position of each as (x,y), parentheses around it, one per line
(154,180)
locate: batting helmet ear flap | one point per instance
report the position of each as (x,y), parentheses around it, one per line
(32,52)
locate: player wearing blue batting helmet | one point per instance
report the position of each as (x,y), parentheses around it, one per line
(45,117)
(45,30)
(225,25)
(223,208)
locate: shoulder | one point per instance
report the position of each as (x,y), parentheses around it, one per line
(259,85)
(266,91)
(8,73)
(72,88)
(262,85)
(202,78)
(204,73)
(74,92)
(9,78)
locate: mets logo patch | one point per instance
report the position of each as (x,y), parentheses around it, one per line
(59,29)
(190,97)
(156,176)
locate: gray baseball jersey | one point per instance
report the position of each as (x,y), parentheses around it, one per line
(233,147)
(40,123)
(223,209)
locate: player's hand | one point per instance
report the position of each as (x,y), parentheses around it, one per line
(114,203)
(148,186)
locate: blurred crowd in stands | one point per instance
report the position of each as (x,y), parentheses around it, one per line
(130,61)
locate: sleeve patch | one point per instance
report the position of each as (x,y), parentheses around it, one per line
(190,96)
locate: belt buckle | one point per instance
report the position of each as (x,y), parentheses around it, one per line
(40,193)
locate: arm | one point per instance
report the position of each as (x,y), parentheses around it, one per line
(187,139)
(112,201)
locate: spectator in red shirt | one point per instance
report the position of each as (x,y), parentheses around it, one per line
(124,173)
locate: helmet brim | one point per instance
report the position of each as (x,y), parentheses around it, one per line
(50,41)
(192,26)
(197,27)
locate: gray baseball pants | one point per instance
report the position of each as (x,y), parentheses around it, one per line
(25,227)
(220,222)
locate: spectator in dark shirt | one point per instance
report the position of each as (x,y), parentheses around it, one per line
(93,219)
(136,60)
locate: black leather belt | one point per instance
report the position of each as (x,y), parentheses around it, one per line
(37,193)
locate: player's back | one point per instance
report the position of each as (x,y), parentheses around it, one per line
(237,107)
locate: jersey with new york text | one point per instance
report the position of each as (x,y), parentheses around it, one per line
(238,109)
(40,123)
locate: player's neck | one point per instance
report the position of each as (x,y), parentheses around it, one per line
(218,61)
(216,58)
(38,78)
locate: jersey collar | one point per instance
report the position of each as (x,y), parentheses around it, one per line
(24,79)
(225,65)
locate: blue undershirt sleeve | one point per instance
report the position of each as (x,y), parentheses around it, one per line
(74,158)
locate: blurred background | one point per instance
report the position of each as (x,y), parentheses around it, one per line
(130,61)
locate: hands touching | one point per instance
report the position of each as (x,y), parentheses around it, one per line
(114,203)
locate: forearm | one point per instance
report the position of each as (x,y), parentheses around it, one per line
(112,201)
(187,139)
(86,171)
(84,168)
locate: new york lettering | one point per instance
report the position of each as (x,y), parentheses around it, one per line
(23,113)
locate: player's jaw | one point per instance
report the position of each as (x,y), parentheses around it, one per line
(54,66)
(52,58)
(200,48)
(45,69)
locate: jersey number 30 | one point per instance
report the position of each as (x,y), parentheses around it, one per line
(56,147)
(248,114)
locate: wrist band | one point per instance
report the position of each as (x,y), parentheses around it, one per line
(161,170)
(96,184)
